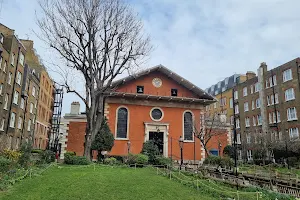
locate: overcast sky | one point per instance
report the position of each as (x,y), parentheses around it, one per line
(202,40)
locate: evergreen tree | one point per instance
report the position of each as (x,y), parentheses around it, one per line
(104,140)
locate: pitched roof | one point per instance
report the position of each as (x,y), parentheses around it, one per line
(180,80)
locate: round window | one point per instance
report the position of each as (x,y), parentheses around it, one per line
(156,114)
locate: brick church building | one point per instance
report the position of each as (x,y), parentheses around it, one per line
(155,104)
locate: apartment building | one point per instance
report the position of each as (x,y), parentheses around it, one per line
(266,108)
(12,85)
(223,93)
(45,100)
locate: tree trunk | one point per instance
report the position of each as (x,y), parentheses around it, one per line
(93,126)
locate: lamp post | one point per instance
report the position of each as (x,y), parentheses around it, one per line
(128,147)
(286,149)
(181,151)
(220,146)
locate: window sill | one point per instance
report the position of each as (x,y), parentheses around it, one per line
(125,139)
(286,80)
(290,120)
(188,141)
(289,100)
(2,130)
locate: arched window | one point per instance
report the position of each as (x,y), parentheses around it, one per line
(122,122)
(188,126)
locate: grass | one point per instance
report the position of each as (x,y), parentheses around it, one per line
(102,183)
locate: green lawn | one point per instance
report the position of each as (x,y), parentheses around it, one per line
(103,183)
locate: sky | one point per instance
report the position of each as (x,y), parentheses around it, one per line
(204,41)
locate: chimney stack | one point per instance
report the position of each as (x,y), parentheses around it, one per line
(75,108)
(250,75)
(263,68)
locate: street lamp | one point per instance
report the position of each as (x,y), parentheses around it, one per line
(220,146)
(181,151)
(286,149)
(128,147)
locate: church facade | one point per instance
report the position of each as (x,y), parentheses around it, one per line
(156,104)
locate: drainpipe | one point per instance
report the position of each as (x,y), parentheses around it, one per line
(13,89)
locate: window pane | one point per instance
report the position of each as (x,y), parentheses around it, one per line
(122,123)
(188,126)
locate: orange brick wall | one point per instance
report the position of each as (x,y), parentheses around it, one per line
(164,90)
(219,137)
(140,114)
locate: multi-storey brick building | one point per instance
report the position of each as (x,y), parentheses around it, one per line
(223,93)
(45,100)
(266,108)
(19,90)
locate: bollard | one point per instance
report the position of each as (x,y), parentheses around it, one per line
(257,195)
(135,166)
(237,194)
(197,184)
(170,175)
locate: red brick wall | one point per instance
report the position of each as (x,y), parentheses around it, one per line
(76,134)
(219,136)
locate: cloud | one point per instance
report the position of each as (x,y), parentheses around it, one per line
(203,41)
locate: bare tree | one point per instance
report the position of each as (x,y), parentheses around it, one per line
(100,39)
(211,127)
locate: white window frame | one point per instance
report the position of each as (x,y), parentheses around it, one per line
(22,103)
(5,66)
(246,106)
(12,122)
(16,97)
(287,75)
(1,89)
(253,105)
(9,78)
(12,62)
(1,38)
(289,94)
(237,123)
(248,138)
(274,80)
(20,121)
(231,102)
(5,102)
(259,120)
(249,155)
(21,59)
(294,132)
(292,116)
(2,124)
(256,87)
(236,109)
(236,95)
(247,122)
(257,103)
(33,91)
(238,138)
(245,91)
(29,125)
(31,107)
(19,78)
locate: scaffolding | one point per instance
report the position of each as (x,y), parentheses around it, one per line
(53,137)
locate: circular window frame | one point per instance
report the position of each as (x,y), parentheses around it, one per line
(162,112)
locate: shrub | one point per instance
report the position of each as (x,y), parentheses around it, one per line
(24,159)
(151,150)
(70,153)
(226,162)
(5,164)
(120,159)
(212,160)
(292,161)
(36,151)
(137,159)
(110,161)
(160,160)
(11,154)
(47,156)
(76,160)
